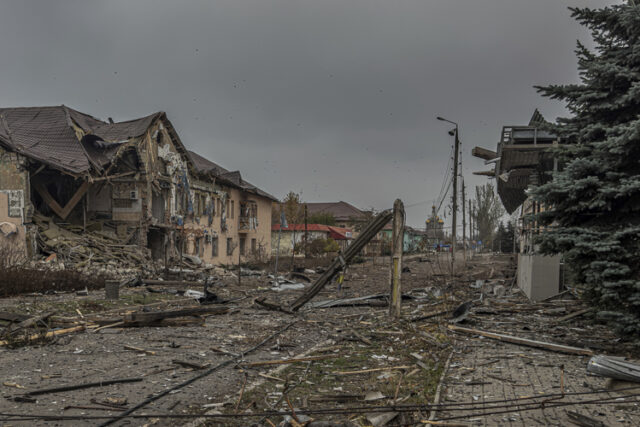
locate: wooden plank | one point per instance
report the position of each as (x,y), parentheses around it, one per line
(573,315)
(144,317)
(62,212)
(48,199)
(491,172)
(51,334)
(366,371)
(12,317)
(75,199)
(524,341)
(31,321)
(483,153)
(294,360)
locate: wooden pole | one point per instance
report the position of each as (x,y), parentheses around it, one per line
(397,238)
(524,341)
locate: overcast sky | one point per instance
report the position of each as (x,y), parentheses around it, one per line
(334,99)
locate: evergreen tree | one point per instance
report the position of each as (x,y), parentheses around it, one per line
(593,202)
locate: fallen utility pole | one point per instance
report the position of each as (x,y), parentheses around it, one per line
(523,341)
(343,259)
(397,240)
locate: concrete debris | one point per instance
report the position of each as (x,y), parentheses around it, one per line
(288,286)
(100,252)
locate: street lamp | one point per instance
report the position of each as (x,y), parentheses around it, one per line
(455,191)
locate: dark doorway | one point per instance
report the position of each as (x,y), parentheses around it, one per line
(155,242)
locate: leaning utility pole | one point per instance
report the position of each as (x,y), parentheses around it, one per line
(464,226)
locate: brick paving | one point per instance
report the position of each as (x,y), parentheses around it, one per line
(483,370)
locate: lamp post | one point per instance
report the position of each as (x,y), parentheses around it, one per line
(455,192)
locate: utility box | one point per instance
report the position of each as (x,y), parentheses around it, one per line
(539,275)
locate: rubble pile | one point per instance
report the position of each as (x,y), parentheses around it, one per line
(98,251)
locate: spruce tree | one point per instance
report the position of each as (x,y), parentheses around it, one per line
(593,202)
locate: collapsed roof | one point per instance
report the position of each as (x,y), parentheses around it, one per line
(79,144)
(64,138)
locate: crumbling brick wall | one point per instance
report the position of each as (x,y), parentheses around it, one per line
(15,207)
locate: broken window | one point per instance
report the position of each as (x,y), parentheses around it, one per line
(200,246)
(196,206)
(248,215)
(229,246)
(243,245)
(214,247)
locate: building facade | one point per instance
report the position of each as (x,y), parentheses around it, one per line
(134,181)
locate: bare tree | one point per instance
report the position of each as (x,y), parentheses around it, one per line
(488,212)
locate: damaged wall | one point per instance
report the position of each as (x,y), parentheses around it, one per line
(133,182)
(14,205)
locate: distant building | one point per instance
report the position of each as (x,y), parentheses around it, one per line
(345,214)
(293,235)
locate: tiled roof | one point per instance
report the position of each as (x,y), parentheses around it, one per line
(341,211)
(203,164)
(47,134)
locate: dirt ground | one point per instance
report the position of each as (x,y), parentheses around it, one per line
(357,364)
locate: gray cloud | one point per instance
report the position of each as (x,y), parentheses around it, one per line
(333,98)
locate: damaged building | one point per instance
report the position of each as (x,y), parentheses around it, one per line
(523,159)
(132,185)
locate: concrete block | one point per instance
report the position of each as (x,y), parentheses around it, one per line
(539,276)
